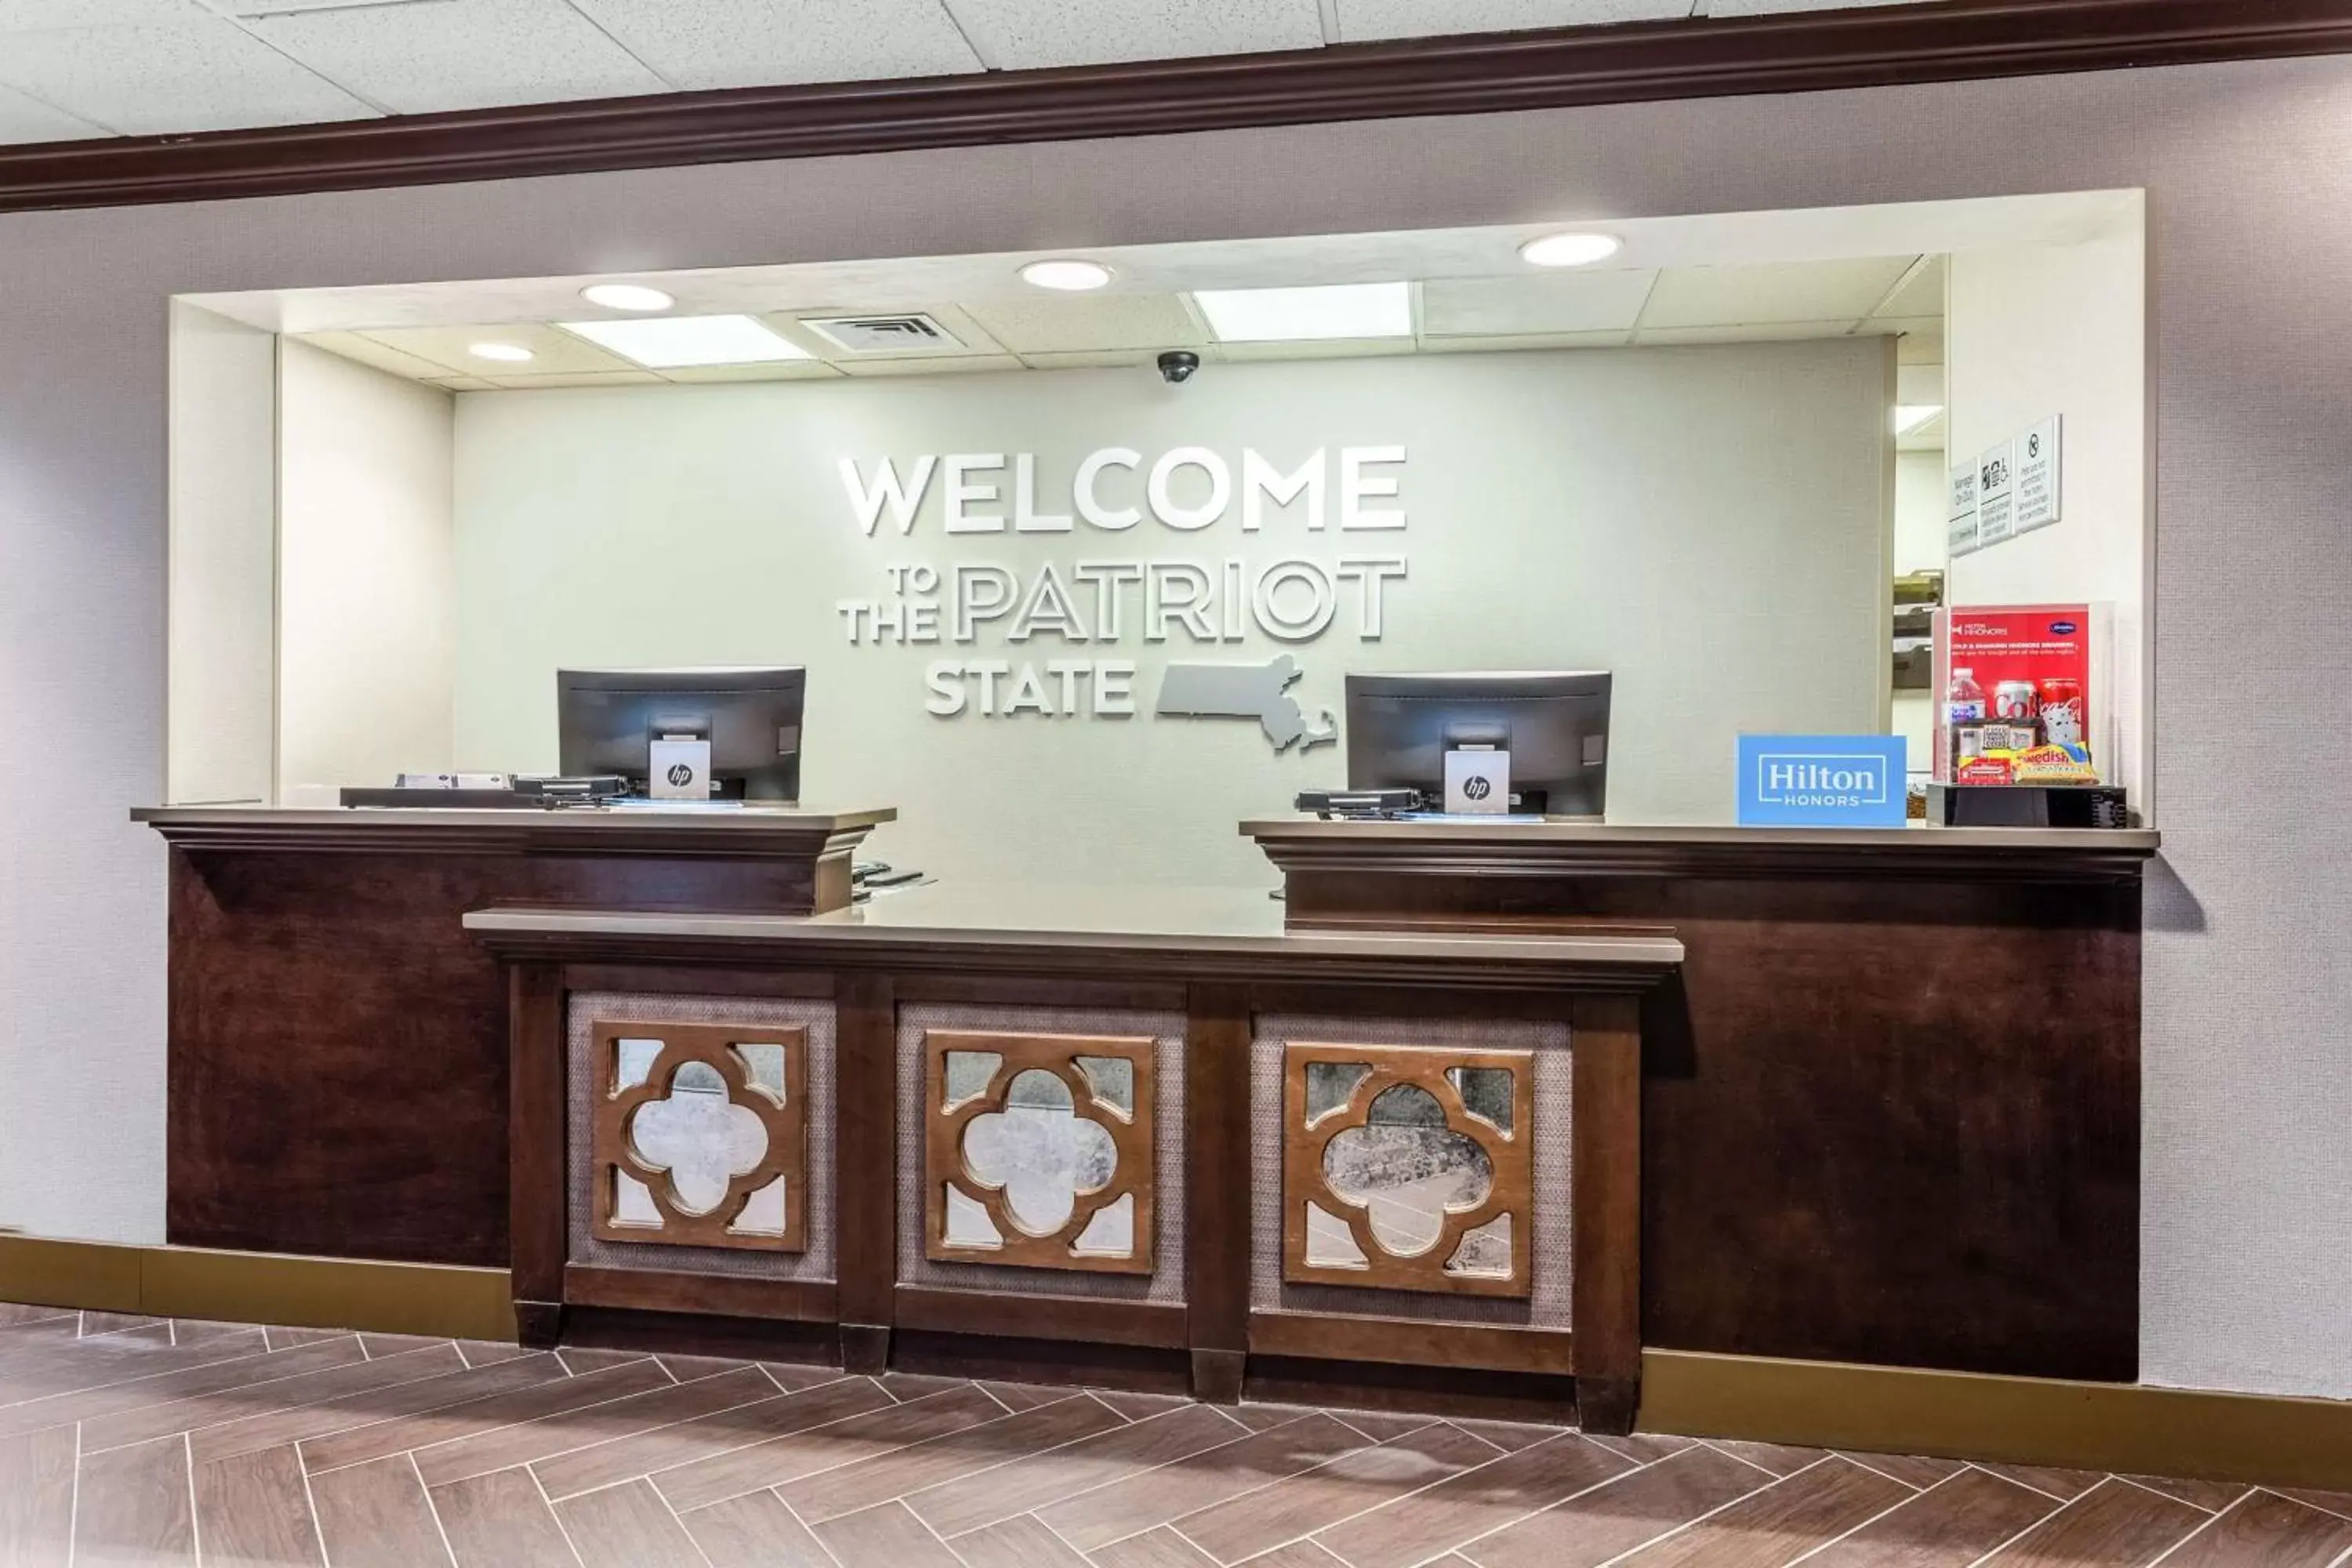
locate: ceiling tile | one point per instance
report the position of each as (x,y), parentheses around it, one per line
(928,366)
(553,351)
(1780,292)
(25,16)
(1546,303)
(1516,341)
(583,378)
(464,384)
(200,74)
(754,43)
(1921,294)
(1760,332)
(25,119)
(1319,348)
(1095,359)
(461,54)
(771,370)
(359,346)
(1012,34)
(970,337)
(1363,19)
(1072,323)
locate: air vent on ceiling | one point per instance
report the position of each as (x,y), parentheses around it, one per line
(912,332)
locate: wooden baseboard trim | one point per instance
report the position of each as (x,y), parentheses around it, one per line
(2134,1428)
(435,1299)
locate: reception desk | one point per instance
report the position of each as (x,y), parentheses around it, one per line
(1868,1097)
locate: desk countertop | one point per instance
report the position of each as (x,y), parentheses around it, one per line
(752,832)
(1177,923)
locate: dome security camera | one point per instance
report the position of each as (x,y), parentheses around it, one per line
(1177,365)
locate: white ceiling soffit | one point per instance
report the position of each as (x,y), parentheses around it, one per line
(1747,239)
(71,68)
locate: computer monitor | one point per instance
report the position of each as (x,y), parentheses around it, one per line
(1554,724)
(608,718)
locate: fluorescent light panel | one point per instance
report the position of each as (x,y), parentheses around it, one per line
(679,342)
(1290,315)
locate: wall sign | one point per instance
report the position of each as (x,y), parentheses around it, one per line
(1067,628)
(1961,529)
(1996,495)
(2038,477)
(1821,781)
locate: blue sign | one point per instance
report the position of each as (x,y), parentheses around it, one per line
(1821,781)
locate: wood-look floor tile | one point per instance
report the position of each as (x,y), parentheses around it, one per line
(1265,1417)
(14,1314)
(2063,1485)
(2263,1530)
(495,1522)
(545,1400)
(370,1392)
(972,1451)
(2114,1522)
(1510,1437)
(1300,1505)
(68,1365)
(907,1385)
(687,1442)
(201,1333)
(37,1495)
(1615,1517)
(133,1507)
(791,1376)
(1204,1480)
(1018,1542)
(1019,1396)
(253,1511)
(400,1344)
(244,1399)
(1642,1448)
(2211,1496)
(96,1324)
(375,1516)
(489,1352)
(1041,1479)
(285,1338)
(1413,1528)
(1140,1406)
(1911,1470)
(578,1359)
(687,1368)
(1949,1525)
(2337,1503)
(1161,1548)
(167,1389)
(1780,1458)
(27,1339)
(1782,1522)
(756,1531)
(627,1527)
(884,1537)
(811,1451)
(1298,1554)
(1380,1426)
(482,1452)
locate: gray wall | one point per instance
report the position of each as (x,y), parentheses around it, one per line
(2248,1217)
(1555,517)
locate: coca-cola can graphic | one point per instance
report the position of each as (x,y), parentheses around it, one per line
(2062,713)
(2014,702)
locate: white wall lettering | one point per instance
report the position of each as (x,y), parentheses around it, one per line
(1262,481)
(1089,503)
(1356,487)
(1162,489)
(868,502)
(964,491)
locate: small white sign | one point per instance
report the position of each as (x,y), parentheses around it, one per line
(1960,530)
(2038,477)
(1997,494)
(678,770)
(1477,783)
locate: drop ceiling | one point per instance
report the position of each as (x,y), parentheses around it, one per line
(77,69)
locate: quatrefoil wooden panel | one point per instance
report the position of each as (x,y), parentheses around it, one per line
(948,1167)
(1410,1163)
(781,1111)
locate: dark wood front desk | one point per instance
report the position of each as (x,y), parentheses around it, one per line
(1860,1097)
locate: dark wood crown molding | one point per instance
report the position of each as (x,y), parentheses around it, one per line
(1943,40)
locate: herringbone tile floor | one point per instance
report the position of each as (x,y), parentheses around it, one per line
(144,1441)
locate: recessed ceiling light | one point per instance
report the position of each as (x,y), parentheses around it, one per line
(1068,276)
(505,353)
(626,297)
(676,343)
(1909,416)
(1570,250)
(1285,315)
